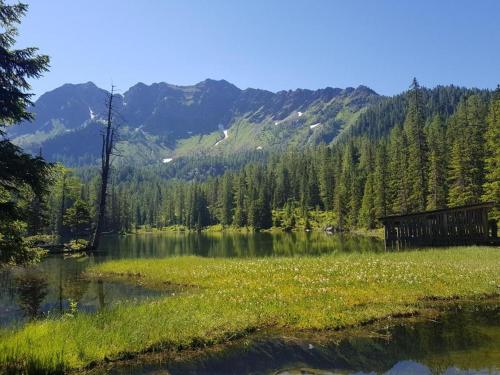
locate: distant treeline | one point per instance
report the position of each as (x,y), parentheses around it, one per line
(425,149)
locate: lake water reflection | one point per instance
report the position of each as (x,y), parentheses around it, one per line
(237,244)
(53,286)
(465,340)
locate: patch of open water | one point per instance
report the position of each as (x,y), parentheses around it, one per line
(464,340)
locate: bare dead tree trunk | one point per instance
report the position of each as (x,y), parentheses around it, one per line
(61,209)
(108,139)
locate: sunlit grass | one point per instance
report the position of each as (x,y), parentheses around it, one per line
(223,298)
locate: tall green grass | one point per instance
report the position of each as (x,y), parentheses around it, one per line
(225,298)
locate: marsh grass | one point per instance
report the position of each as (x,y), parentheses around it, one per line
(222,299)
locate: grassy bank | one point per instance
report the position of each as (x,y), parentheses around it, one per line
(227,298)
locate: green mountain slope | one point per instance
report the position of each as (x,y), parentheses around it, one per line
(162,122)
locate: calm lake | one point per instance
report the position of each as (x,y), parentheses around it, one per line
(463,341)
(51,287)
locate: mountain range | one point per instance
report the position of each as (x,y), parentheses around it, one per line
(161,122)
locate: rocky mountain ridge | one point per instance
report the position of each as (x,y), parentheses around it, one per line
(163,121)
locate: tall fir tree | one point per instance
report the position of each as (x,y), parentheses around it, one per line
(466,168)
(367,213)
(325,176)
(367,165)
(398,171)
(492,184)
(19,172)
(227,200)
(381,180)
(340,192)
(437,192)
(414,129)
(240,211)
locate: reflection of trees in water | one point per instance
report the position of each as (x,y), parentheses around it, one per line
(7,284)
(229,244)
(74,288)
(427,347)
(100,293)
(31,290)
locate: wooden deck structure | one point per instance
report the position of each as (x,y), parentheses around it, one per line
(465,225)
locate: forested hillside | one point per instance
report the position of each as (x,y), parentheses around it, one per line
(424,149)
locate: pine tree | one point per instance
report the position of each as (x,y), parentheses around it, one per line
(340,192)
(138,217)
(367,165)
(398,171)
(227,200)
(282,189)
(380,181)
(240,212)
(436,197)
(414,129)
(349,188)
(77,218)
(19,172)
(261,214)
(16,68)
(325,176)
(466,170)
(492,184)
(367,212)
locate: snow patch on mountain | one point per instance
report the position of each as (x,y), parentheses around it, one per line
(226,136)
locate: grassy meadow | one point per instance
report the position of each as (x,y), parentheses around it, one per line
(222,299)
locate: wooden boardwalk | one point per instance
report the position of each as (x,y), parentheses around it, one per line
(465,225)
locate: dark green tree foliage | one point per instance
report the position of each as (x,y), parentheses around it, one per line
(326,176)
(398,171)
(16,67)
(240,211)
(37,218)
(466,132)
(367,213)
(198,215)
(492,184)
(357,179)
(416,148)
(21,176)
(77,218)
(381,181)
(378,120)
(227,200)
(437,192)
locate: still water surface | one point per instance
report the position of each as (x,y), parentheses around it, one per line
(51,287)
(465,340)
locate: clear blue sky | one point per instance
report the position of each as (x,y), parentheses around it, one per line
(270,44)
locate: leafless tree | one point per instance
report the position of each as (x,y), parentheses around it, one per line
(109,139)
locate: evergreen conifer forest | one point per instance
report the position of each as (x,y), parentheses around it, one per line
(422,150)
